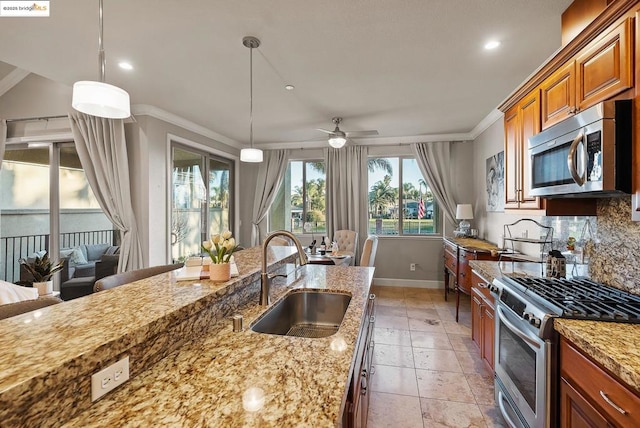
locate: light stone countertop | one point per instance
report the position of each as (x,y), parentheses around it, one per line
(202,384)
(187,367)
(615,346)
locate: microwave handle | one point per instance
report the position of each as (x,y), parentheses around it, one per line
(572,160)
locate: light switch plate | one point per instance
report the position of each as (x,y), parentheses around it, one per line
(109,378)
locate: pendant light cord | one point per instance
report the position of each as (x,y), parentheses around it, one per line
(250,96)
(101,59)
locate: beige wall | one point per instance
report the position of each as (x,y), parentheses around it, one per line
(490,224)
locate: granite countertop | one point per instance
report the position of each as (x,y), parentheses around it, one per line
(187,367)
(202,384)
(615,346)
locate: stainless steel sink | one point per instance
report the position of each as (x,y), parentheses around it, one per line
(305,313)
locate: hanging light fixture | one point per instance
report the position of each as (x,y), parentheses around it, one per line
(251,154)
(99,98)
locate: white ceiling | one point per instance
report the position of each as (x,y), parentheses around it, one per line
(408,68)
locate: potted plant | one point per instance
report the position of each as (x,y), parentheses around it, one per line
(42,269)
(220,248)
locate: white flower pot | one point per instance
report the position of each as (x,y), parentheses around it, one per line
(44,288)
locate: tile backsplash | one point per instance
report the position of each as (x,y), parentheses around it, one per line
(615,257)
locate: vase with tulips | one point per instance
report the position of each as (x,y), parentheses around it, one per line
(220,248)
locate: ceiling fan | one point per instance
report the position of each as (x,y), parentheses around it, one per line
(338,138)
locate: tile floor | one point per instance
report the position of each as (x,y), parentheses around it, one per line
(428,373)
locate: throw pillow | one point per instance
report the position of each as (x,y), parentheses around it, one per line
(77,256)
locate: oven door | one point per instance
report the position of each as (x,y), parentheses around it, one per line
(521,370)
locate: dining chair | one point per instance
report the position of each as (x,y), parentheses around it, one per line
(277,240)
(369,251)
(347,241)
(126,277)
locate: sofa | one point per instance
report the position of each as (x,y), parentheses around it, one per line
(83,265)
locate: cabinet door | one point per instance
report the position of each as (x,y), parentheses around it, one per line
(558,95)
(488,334)
(575,410)
(529,112)
(476,318)
(511,162)
(604,67)
(464,270)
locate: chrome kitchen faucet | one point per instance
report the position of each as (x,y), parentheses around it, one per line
(265,279)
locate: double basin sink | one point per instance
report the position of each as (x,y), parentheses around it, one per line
(304,313)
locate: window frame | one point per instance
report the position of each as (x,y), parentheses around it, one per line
(437,217)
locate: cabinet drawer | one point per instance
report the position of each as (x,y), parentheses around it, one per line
(482,286)
(602,390)
(450,262)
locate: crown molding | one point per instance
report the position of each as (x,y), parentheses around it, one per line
(149,110)
(485,123)
(12,79)
(165,116)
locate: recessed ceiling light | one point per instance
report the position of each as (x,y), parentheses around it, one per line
(289,87)
(492,44)
(125,65)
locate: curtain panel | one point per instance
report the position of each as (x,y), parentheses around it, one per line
(434,161)
(347,194)
(3,139)
(270,177)
(102,150)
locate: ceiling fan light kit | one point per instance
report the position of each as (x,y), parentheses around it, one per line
(98,98)
(338,138)
(251,154)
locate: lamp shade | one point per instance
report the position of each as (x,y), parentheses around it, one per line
(337,141)
(464,212)
(251,155)
(100,99)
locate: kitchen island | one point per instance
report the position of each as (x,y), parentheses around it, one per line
(188,367)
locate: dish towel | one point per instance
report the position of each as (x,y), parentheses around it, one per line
(11,293)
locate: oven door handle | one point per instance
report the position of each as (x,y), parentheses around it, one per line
(516,330)
(501,400)
(572,160)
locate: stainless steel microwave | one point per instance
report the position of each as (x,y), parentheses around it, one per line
(586,155)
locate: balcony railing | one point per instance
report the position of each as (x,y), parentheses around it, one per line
(14,248)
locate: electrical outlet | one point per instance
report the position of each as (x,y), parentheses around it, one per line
(412,267)
(109,378)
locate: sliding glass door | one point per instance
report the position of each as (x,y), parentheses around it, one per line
(46,204)
(202,189)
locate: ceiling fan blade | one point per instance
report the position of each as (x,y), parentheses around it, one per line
(361,133)
(325,131)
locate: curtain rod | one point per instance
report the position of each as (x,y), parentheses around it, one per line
(24,119)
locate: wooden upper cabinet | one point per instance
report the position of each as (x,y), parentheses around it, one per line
(511,161)
(605,67)
(530,126)
(558,95)
(520,122)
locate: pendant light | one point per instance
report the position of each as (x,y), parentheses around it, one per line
(251,154)
(99,98)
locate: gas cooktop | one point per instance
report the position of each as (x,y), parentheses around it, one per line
(582,298)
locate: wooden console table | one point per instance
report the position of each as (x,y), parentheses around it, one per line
(457,253)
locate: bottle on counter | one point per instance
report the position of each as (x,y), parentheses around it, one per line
(323,247)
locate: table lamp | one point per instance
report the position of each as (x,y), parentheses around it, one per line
(464,212)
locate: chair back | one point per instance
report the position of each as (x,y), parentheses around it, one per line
(369,251)
(281,241)
(119,279)
(347,241)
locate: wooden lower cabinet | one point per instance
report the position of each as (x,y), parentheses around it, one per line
(591,397)
(356,408)
(482,319)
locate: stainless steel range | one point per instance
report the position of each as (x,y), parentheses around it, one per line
(526,344)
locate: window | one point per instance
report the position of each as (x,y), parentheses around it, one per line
(201,201)
(301,198)
(400,202)
(34,202)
